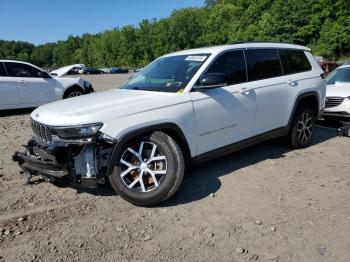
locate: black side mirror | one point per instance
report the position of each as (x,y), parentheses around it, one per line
(212,80)
(43,74)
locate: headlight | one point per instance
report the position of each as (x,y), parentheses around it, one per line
(87,84)
(75,132)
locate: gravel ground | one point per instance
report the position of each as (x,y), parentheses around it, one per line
(265,203)
(103,82)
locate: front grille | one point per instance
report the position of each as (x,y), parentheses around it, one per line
(41,131)
(333,101)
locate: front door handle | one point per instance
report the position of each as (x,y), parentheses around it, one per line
(21,81)
(244,91)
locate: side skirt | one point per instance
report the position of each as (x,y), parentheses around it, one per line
(216,153)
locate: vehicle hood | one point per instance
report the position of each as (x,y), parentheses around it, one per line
(64,70)
(102,106)
(339,89)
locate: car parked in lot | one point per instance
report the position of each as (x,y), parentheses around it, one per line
(90,71)
(67,70)
(105,70)
(118,70)
(328,66)
(183,108)
(134,70)
(23,85)
(338,94)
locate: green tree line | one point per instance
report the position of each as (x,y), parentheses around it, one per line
(323,25)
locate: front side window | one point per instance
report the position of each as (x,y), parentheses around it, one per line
(294,61)
(21,70)
(2,70)
(262,64)
(167,74)
(232,64)
(340,75)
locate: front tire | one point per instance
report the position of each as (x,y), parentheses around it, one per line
(73,92)
(149,170)
(302,128)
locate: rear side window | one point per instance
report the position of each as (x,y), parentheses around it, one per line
(21,70)
(231,63)
(294,61)
(2,70)
(263,63)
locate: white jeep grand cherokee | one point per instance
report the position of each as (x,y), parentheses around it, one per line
(184,107)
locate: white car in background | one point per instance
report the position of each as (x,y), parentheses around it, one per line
(338,94)
(67,70)
(23,85)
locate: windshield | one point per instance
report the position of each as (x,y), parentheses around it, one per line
(339,75)
(167,74)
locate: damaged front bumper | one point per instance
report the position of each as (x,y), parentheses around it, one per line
(31,163)
(83,163)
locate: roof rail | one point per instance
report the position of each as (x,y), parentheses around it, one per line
(12,59)
(254,42)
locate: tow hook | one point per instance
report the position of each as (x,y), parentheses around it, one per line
(16,158)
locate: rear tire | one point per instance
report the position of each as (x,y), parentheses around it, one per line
(302,127)
(149,170)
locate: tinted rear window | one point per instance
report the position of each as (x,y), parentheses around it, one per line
(231,63)
(2,70)
(263,63)
(294,61)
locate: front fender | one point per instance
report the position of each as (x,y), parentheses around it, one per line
(119,145)
(62,84)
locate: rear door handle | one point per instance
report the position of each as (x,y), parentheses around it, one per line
(21,81)
(292,82)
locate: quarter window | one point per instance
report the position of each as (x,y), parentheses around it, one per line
(2,70)
(21,70)
(294,61)
(263,63)
(233,65)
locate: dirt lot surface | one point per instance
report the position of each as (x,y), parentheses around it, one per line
(103,82)
(265,203)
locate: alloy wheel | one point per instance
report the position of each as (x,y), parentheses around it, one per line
(304,127)
(143,167)
(74,94)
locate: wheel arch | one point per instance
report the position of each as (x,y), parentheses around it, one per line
(311,99)
(171,129)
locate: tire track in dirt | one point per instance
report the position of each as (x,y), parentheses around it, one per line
(36,211)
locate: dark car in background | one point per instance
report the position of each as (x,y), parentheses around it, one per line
(91,71)
(118,70)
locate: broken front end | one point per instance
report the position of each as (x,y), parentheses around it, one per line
(79,153)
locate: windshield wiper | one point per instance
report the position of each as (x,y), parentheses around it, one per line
(142,89)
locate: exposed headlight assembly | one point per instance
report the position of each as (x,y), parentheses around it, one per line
(87,84)
(77,132)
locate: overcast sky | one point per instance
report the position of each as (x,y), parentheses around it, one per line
(42,21)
